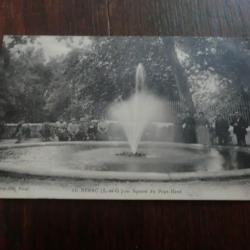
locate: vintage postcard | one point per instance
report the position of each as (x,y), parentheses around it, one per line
(125,117)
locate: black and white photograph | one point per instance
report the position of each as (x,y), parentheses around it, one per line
(129,117)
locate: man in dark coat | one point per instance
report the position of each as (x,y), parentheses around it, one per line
(2,128)
(178,129)
(240,129)
(188,125)
(221,130)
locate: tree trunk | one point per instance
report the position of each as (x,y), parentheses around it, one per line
(179,73)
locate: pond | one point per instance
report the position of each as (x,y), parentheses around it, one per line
(156,158)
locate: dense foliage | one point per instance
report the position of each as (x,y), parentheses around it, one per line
(199,72)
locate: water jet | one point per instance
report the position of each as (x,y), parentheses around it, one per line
(136,113)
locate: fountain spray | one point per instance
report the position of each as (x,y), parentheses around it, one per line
(136,113)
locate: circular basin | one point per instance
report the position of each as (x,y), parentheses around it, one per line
(106,160)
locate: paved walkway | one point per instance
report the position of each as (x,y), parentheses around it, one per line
(12,141)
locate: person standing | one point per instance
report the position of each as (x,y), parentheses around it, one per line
(92,130)
(73,129)
(188,125)
(240,129)
(102,130)
(61,130)
(178,130)
(20,132)
(83,129)
(27,130)
(221,130)
(2,129)
(212,132)
(45,131)
(203,127)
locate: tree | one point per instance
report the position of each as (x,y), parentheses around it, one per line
(108,71)
(218,71)
(179,72)
(25,80)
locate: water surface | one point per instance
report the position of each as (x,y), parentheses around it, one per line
(158,159)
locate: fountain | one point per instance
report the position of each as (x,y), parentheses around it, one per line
(138,111)
(111,160)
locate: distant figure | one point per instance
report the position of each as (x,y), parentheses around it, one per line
(2,129)
(102,130)
(212,132)
(82,134)
(27,130)
(203,127)
(240,128)
(188,125)
(73,129)
(178,129)
(221,130)
(45,132)
(20,132)
(61,130)
(92,130)
(53,130)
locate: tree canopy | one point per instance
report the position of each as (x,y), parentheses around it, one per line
(83,76)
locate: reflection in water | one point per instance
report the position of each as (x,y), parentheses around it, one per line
(242,160)
(159,159)
(234,159)
(227,157)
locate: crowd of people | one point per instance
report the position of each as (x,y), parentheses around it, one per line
(75,130)
(191,128)
(188,128)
